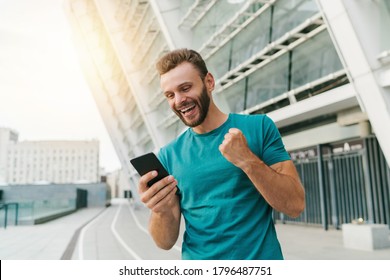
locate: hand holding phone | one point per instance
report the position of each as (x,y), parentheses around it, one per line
(148,162)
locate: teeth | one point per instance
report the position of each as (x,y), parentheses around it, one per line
(187,109)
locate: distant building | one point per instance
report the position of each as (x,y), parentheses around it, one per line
(119,184)
(39,162)
(6,136)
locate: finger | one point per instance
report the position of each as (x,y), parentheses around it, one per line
(161,195)
(237,134)
(143,181)
(235,131)
(165,201)
(162,183)
(150,192)
(225,142)
(228,136)
(222,148)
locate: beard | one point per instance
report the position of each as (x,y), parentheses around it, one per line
(202,103)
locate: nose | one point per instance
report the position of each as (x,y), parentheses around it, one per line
(179,99)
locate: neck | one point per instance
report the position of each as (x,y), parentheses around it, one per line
(214,119)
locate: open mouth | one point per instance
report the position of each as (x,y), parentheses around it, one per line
(187,110)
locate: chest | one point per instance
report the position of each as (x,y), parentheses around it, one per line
(204,175)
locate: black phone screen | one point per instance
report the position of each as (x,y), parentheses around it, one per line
(148,162)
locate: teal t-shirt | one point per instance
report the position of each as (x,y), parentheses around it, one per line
(225,216)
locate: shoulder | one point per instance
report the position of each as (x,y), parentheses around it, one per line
(259,120)
(174,144)
(256,117)
(181,138)
(171,151)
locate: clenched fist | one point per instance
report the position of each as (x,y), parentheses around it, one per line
(235,147)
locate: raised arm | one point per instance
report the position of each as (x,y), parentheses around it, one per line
(279,183)
(161,199)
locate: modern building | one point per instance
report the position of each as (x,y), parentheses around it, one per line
(37,162)
(320,69)
(118,183)
(7,135)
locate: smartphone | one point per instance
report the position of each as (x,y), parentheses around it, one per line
(148,162)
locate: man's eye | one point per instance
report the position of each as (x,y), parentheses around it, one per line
(185,89)
(169,96)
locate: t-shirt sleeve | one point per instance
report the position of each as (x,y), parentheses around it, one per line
(273,147)
(163,157)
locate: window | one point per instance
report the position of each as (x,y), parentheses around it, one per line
(268,82)
(314,59)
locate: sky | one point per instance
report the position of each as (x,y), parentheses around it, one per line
(43,94)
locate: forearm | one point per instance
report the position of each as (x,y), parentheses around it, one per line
(164,227)
(279,184)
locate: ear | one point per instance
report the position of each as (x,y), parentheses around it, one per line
(209,82)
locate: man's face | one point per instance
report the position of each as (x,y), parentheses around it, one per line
(186,93)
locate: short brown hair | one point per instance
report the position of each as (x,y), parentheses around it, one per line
(172,59)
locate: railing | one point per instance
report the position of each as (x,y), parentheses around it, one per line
(343,182)
(5,207)
(34,212)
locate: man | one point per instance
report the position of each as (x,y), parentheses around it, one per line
(228,172)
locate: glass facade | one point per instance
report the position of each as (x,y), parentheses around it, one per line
(269,41)
(289,14)
(212,21)
(313,60)
(268,82)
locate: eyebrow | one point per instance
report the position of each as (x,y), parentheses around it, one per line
(179,85)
